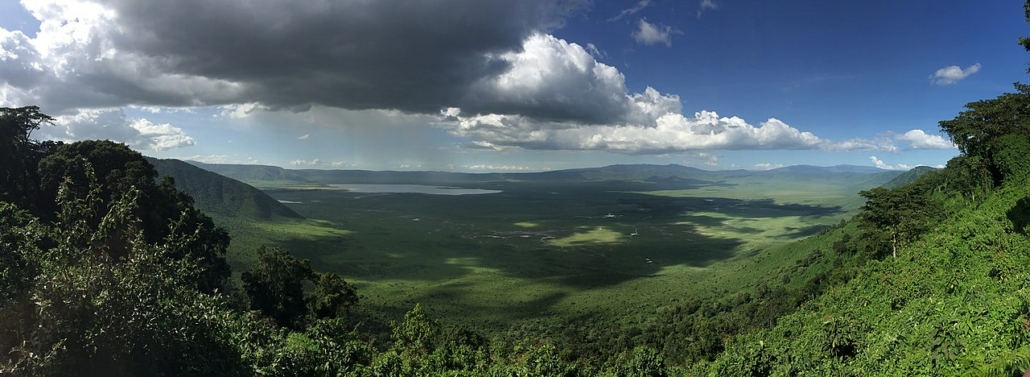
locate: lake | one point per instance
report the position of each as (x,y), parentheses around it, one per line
(411,189)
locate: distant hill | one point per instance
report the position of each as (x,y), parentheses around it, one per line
(251,172)
(829,169)
(219,195)
(908,177)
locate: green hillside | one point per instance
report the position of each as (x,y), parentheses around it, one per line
(908,177)
(247,173)
(953,302)
(221,196)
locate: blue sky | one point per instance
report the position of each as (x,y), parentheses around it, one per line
(511,86)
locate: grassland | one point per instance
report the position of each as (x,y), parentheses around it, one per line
(548,251)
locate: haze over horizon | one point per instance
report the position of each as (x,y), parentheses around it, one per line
(479,86)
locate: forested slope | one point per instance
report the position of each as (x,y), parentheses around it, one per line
(955,297)
(218,195)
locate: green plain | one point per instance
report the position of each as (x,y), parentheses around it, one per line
(547,252)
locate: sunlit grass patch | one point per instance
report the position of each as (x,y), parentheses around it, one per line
(598,236)
(763,230)
(304,229)
(526,224)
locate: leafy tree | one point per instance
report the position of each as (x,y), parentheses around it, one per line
(643,362)
(19,154)
(85,314)
(20,239)
(104,171)
(276,286)
(992,134)
(332,296)
(417,334)
(902,213)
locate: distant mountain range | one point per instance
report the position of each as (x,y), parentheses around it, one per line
(829,169)
(216,194)
(639,172)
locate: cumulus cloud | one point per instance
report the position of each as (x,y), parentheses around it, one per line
(288,55)
(919,139)
(553,80)
(500,78)
(670,133)
(650,34)
(883,165)
(115,125)
(952,74)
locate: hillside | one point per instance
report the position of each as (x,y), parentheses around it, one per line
(908,177)
(217,195)
(954,301)
(250,172)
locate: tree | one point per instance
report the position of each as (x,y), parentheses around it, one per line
(902,213)
(104,171)
(332,296)
(83,313)
(275,286)
(990,132)
(19,154)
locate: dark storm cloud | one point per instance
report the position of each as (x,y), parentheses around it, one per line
(414,56)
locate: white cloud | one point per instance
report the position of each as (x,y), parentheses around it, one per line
(302,162)
(767,166)
(883,165)
(303,137)
(595,52)
(552,80)
(630,11)
(111,53)
(919,139)
(670,133)
(342,164)
(113,124)
(650,34)
(488,167)
(881,144)
(705,157)
(221,159)
(706,5)
(242,110)
(952,74)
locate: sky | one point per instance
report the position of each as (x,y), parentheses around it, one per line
(500,85)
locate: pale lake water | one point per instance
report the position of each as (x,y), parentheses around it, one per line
(411,189)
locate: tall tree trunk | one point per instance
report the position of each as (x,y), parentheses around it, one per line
(894,244)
